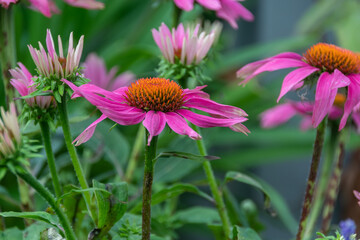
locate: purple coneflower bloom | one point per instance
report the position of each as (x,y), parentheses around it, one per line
(6,3)
(187,45)
(337,68)
(22,81)
(156,102)
(229,10)
(95,71)
(52,64)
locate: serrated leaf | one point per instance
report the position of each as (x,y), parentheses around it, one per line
(57,97)
(39,216)
(190,156)
(61,89)
(240,233)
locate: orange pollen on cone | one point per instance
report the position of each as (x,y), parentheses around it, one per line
(62,61)
(340,100)
(157,94)
(177,52)
(329,57)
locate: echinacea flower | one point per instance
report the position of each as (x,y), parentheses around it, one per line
(347,228)
(9,132)
(51,63)
(186,45)
(6,3)
(282,113)
(357,195)
(229,10)
(336,67)
(156,102)
(95,71)
(22,81)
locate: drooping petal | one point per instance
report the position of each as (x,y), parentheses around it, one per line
(231,10)
(278,115)
(186,5)
(210,4)
(353,98)
(88,132)
(294,77)
(306,123)
(180,126)
(43,6)
(154,122)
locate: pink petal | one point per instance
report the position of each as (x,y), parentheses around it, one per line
(154,122)
(88,132)
(43,6)
(6,3)
(306,123)
(123,80)
(206,121)
(278,115)
(231,10)
(210,4)
(88,4)
(293,78)
(186,5)
(180,126)
(353,98)
(50,44)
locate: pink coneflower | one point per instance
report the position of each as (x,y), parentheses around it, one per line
(6,3)
(229,10)
(282,113)
(22,81)
(186,45)
(357,195)
(10,136)
(95,71)
(157,102)
(52,64)
(336,67)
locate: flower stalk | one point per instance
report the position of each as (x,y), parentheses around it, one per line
(150,154)
(45,132)
(318,146)
(33,182)
(135,154)
(7,53)
(72,152)
(219,201)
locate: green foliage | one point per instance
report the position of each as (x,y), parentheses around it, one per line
(39,216)
(240,233)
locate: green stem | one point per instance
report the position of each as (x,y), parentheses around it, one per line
(318,145)
(214,187)
(33,182)
(45,132)
(322,186)
(139,140)
(7,53)
(150,154)
(72,152)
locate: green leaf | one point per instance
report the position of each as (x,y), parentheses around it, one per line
(11,233)
(197,215)
(36,230)
(240,233)
(173,191)
(36,93)
(190,156)
(110,207)
(39,216)
(76,190)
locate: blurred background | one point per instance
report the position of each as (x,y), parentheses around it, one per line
(121,35)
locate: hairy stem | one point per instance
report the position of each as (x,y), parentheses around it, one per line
(72,152)
(318,145)
(45,132)
(214,188)
(150,154)
(33,182)
(139,140)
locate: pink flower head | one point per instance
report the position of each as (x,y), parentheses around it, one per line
(284,112)
(95,70)
(55,64)
(229,10)
(187,45)
(22,81)
(337,68)
(156,102)
(6,3)
(357,195)
(9,132)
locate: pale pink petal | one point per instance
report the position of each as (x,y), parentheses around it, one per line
(43,6)
(123,80)
(88,132)
(210,4)
(353,98)
(50,44)
(180,126)
(239,127)
(88,4)
(154,122)
(294,77)
(278,115)
(186,5)
(6,3)
(306,123)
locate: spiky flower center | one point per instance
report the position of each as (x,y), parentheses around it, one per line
(157,94)
(329,57)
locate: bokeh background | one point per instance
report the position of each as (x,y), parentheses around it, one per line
(121,35)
